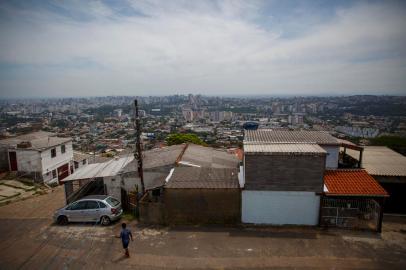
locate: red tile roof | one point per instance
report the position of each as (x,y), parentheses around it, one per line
(352,183)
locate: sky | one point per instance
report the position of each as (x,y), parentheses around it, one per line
(234,47)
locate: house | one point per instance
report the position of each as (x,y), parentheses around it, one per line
(282,183)
(201,188)
(389,169)
(79,160)
(290,178)
(40,155)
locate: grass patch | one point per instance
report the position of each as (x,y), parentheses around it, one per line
(129,216)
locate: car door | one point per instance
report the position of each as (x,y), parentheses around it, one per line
(76,211)
(92,211)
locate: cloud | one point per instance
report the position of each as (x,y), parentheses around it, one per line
(208,47)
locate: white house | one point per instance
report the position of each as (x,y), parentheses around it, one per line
(40,155)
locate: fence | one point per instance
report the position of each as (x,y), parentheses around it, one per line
(358,213)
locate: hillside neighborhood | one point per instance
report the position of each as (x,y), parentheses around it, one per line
(280,178)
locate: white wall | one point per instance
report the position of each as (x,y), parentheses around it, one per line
(27,160)
(241,179)
(49,164)
(332,156)
(280,207)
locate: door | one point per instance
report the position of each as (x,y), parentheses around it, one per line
(63,171)
(76,211)
(13,161)
(92,211)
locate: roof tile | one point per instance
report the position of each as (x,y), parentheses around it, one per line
(352,183)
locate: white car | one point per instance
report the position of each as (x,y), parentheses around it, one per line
(93,208)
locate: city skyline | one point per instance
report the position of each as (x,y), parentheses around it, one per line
(215,48)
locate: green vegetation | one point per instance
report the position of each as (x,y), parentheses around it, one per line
(178,138)
(394,142)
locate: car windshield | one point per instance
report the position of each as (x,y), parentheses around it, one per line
(112,201)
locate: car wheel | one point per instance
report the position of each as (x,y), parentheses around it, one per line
(105,220)
(62,220)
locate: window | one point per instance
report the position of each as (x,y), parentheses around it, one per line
(112,201)
(102,205)
(71,206)
(53,152)
(63,148)
(76,164)
(84,162)
(79,206)
(92,205)
(54,174)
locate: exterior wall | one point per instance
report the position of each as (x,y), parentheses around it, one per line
(130,182)
(284,172)
(280,207)
(332,156)
(202,206)
(27,160)
(49,164)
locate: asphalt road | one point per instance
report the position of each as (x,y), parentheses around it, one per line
(29,240)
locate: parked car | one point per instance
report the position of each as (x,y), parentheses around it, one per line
(93,208)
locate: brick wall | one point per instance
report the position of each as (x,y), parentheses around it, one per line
(284,172)
(202,206)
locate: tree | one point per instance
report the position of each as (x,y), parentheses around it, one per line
(178,138)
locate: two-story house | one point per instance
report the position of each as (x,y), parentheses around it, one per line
(39,155)
(283,175)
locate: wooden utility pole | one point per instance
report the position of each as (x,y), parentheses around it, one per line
(138,150)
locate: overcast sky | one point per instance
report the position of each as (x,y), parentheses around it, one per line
(96,48)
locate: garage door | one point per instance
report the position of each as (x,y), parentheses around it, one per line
(280,207)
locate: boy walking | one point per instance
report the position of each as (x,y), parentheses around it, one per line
(125,236)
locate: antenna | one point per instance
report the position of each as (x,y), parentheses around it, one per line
(138,148)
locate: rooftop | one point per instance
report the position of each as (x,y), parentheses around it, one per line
(158,157)
(105,169)
(39,140)
(288,136)
(202,156)
(382,161)
(351,183)
(284,149)
(203,178)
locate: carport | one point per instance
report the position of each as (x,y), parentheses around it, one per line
(90,179)
(352,199)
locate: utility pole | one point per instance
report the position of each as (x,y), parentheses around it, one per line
(138,150)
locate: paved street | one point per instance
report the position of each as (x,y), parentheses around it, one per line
(29,240)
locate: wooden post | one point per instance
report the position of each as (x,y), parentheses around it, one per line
(360,158)
(380,219)
(138,149)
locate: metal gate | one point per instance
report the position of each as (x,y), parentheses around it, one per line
(358,213)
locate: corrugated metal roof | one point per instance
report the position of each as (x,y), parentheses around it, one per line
(280,149)
(352,183)
(203,178)
(288,136)
(105,169)
(380,160)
